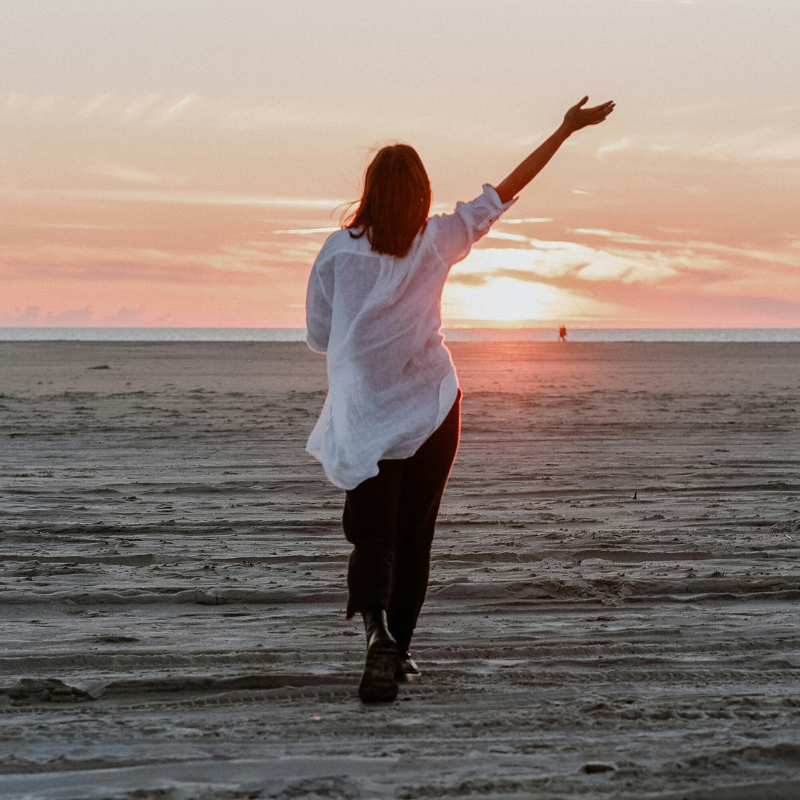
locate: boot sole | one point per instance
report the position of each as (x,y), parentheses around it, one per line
(378,683)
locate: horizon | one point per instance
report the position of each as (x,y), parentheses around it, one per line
(539,335)
(497,327)
(171,169)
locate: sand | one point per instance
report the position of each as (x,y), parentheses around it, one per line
(612,611)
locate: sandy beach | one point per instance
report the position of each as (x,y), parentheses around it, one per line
(612,610)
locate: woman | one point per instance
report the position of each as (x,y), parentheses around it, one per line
(389,429)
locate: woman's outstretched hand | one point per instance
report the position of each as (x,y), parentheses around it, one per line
(576,118)
(579,117)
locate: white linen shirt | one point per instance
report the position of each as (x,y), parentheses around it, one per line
(391,380)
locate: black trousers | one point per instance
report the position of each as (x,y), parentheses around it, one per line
(390,520)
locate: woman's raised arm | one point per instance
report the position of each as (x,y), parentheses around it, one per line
(576,118)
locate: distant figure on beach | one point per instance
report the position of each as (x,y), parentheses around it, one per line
(562,334)
(390,425)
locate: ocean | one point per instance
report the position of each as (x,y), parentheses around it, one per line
(452,334)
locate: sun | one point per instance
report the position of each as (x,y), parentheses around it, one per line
(504,300)
(515,287)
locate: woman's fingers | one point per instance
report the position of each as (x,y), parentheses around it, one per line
(579,106)
(585,100)
(579,117)
(596,114)
(601,112)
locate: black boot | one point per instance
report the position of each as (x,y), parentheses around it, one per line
(378,683)
(407,669)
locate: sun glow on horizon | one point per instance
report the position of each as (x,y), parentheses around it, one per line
(502,300)
(510,286)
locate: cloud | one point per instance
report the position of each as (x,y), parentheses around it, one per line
(628,238)
(137,107)
(34,317)
(182,104)
(612,147)
(254,262)
(124,174)
(525,220)
(627,278)
(176,197)
(307,231)
(505,300)
(511,237)
(554,260)
(76,226)
(690,246)
(90,107)
(769,143)
(155,109)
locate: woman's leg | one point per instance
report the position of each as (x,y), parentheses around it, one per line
(424,477)
(370,525)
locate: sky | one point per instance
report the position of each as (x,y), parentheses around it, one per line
(180,162)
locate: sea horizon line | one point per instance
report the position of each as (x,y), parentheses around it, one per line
(455,334)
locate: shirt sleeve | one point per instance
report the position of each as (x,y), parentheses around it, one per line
(456,233)
(319,304)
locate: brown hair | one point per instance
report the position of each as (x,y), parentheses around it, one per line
(395,202)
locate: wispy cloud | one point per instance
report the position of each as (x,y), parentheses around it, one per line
(126,174)
(35,317)
(627,238)
(88,108)
(776,257)
(621,279)
(557,260)
(156,109)
(506,300)
(613,146)
(139,107)
(185,197)
(176,108)
(510,237)
(67,226)
(524,220)
(769,143)
(306,231)
(253,262)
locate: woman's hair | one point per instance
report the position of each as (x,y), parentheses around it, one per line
(395,202)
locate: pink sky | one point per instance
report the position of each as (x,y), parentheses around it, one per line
(180,163)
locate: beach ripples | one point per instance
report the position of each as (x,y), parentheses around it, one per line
(614,579)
